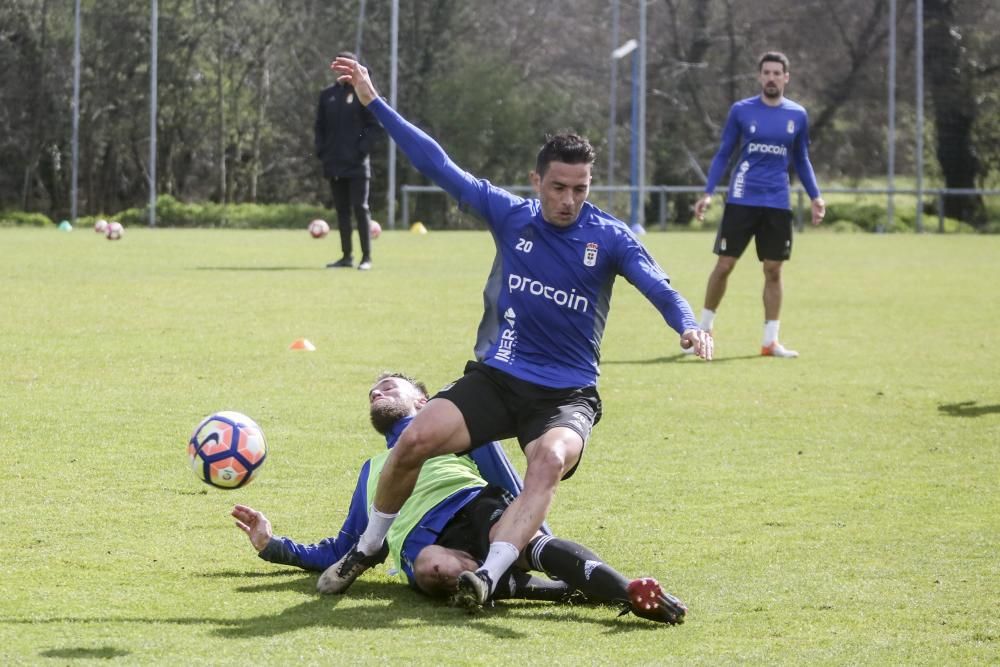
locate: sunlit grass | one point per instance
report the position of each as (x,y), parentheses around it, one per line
(838,508)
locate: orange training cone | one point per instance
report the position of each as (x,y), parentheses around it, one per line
(302,344)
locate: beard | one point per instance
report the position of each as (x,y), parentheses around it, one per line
(772,92)
(385,414)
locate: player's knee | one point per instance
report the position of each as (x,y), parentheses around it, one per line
(548,462)
(416,445)
(725,265)
(772,271)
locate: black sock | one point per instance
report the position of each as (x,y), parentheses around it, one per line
(579,567)
(516,584)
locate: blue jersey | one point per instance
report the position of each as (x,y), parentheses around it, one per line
(549,291)
(494,467)
(768,138)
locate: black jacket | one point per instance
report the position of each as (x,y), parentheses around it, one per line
(345,133)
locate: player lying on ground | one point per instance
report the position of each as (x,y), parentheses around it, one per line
(444,527)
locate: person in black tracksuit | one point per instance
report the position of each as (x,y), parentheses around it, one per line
(345,132)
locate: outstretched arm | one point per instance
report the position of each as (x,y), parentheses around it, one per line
(316,557)
(640,269)
(424,152)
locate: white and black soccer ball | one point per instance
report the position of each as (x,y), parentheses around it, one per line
(318,229)
(114,231)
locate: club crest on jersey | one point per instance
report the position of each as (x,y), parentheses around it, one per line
(590,255)
(753,127)
(790,128)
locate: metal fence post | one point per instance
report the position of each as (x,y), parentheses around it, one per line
(663,210)
(940,202)
(798,211)
(406,207)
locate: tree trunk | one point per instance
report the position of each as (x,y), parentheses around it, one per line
(220,92)
(263,94)
(954,108)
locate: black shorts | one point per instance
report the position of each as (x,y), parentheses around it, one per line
(497,406)
(469,529)
(770,227)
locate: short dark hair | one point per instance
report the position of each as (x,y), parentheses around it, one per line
(773,57)
(568,148)
(421,387)
(347,54)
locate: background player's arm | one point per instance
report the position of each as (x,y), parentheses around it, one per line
(804,170)
(730,137)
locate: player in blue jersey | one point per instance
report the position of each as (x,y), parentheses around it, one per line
(446,525)
(538,345)
(769,131)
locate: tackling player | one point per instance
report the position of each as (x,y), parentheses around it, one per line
(538,345)
(443,528)
(770,131)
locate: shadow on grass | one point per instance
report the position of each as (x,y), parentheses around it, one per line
(370,605)
(675,358)
(242,574)
(968,409)
(83,653)
(259,268)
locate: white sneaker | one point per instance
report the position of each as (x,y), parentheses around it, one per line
(776,349)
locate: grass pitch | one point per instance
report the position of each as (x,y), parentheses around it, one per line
(839,508)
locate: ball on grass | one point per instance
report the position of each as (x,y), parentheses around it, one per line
(318,229)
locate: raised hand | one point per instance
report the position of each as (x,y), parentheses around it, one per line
(354,73)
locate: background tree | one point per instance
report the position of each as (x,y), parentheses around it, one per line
(239,83)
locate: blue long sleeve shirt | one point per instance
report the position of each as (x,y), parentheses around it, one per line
(769,139)
(493,465)
(549,291)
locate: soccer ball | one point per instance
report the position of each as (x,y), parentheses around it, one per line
(318,229)
(101,226)
(374,229)
(226,450)
(114,231)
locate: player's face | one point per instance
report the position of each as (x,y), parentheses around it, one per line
(390,400)
(562,191)
(773,79)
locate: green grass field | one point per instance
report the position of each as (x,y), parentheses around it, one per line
(840,508)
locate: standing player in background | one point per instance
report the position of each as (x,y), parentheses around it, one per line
(769,130)
(538,346)
(344,133)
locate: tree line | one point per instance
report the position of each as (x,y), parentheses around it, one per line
(238,83)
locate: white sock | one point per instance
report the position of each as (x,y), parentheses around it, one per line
(707,319)
(770,332)
(373,537)
(502,555)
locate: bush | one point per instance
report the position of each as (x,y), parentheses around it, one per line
(845,227)
(864,215)
(24,219)
(173,213)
